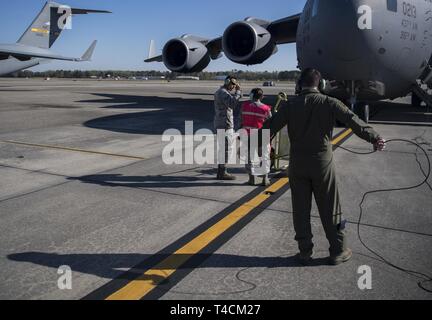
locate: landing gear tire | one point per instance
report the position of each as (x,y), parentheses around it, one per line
(416,101)
(363,111)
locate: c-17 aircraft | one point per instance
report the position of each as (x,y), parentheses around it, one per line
(33,46)
(369,50)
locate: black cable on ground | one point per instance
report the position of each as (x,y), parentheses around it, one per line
(426,278)
(427,175)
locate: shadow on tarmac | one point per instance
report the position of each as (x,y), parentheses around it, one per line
(171,113)
(194,94)
(109,266)
(118,180)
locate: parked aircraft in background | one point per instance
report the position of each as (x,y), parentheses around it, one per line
(34,45)
(369,50)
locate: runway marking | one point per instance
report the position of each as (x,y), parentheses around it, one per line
(139,288)
(343,135)
(72,149)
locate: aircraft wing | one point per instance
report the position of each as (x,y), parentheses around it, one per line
(285,30)
(24,53)
(158,58)
(214,46)
(152,56)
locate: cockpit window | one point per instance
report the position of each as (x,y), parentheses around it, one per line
(392,5)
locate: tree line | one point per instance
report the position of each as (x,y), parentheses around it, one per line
(80,74)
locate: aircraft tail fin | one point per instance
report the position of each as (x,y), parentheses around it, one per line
(38,33)
(49,24)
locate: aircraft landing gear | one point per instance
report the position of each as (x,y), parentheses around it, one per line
(362,109)
(416,100)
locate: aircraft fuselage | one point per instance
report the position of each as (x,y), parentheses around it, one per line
(372,49)
(12,65)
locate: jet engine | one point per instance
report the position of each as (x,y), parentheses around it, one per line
(186,55)
(246,42)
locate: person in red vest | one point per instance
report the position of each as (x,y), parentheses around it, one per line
(254,113)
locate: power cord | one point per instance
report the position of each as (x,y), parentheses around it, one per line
(253,286)
(427,175)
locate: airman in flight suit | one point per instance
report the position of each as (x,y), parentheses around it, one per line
(310,118)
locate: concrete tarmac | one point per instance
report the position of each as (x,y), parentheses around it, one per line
(83,185)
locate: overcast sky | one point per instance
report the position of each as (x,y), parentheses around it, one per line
(124,36)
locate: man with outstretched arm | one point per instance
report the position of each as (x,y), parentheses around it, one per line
(310,118)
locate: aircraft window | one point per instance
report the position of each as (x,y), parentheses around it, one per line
(392,5)
(315,8)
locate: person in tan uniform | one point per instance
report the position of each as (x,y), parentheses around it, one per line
(226,101)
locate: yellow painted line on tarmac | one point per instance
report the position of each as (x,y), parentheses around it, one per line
(142,286)
(44,146)
(139,288)
(342,136)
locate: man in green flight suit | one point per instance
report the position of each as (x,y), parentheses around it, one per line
(310,118)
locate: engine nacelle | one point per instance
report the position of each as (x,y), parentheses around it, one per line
(185,55)
(248,43)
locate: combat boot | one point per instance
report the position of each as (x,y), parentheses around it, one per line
(305,258)
(266,181)
(251,181)
(345,256)
(223,175)
(227,177)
